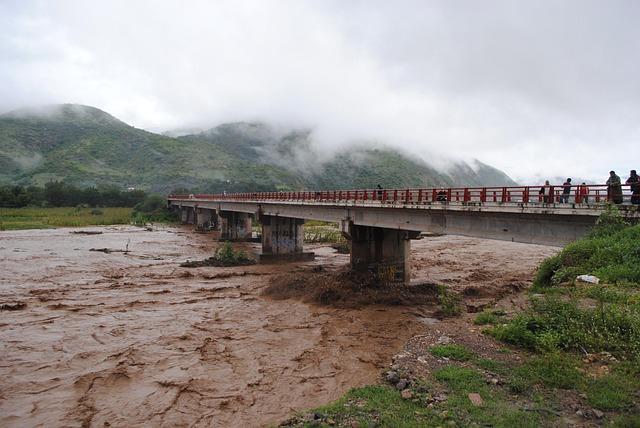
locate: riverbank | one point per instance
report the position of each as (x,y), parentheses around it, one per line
(561,353)
(46,218)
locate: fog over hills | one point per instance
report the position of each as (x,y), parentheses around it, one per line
(87,146)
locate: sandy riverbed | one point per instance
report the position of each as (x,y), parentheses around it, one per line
(133,339)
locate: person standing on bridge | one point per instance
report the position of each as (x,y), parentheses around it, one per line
(583,194)
(545,192)
(566,191)
(634,182)
(614,188)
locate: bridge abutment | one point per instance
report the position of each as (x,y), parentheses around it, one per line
(383,252)
(282,239)
(235,226)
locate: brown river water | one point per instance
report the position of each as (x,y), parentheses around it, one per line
(131,339)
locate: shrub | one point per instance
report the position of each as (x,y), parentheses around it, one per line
(450,302)
(225,256)
(152,208)
(488,317)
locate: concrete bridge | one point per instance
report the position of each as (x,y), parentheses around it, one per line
(380,223)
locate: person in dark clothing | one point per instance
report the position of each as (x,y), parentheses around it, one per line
(566,191)
(379,192)
(614,188)
(441,196)
(634,182)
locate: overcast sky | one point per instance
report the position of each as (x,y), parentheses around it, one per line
(537,88)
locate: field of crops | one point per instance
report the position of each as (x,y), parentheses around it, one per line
(44,218)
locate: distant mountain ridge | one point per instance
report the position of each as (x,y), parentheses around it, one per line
(87,146)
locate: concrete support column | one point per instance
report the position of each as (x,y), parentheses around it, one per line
(235,226)
(383,252)
(187,215)
(282,239)
(203,218)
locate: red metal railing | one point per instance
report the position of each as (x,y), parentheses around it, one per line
(553,194)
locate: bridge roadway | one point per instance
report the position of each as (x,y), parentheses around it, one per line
(380,222)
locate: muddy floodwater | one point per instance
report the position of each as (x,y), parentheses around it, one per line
(92,338)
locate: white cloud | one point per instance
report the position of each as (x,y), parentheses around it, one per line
(542,88)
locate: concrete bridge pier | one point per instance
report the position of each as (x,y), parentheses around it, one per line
(282,239)
(381,251)
(206,219)
(235,226)
(187,215)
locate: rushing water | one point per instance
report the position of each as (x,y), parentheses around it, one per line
(128,339)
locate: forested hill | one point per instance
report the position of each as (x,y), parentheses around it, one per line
(86,146)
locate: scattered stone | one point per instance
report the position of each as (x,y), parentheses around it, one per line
(579,413)
(598,413)
(475,399)
(494,381)
(590,279)
(331,421)
(440,397)
(355,424)
(402,384)
(392,377)
(478,305)
(444,340)
(406,394)
(422,388)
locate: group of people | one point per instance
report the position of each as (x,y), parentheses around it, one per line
(614,187)
(614,190)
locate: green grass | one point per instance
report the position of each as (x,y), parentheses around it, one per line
(376,405)
(44,218)
(489,317)
(454,352)
(611,254)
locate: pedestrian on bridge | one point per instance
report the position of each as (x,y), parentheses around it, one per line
(614,188)
(634,182)
(545,192)
(566,191)
(583,194)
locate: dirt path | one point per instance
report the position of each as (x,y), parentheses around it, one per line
(128,339)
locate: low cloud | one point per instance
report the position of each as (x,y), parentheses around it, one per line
(537,89)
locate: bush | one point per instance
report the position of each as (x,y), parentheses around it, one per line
(225,256)
(488,317)
(556,324)
(450,303)
(613,257)
(152,209)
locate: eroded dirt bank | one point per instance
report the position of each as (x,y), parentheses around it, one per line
(127,339)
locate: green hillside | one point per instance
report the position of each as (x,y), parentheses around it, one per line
(86,146)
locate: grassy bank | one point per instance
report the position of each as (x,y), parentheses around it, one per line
(576,354)
(44,218)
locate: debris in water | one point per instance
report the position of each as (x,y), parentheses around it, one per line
(12,306)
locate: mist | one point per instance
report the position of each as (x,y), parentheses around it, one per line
(541,89)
